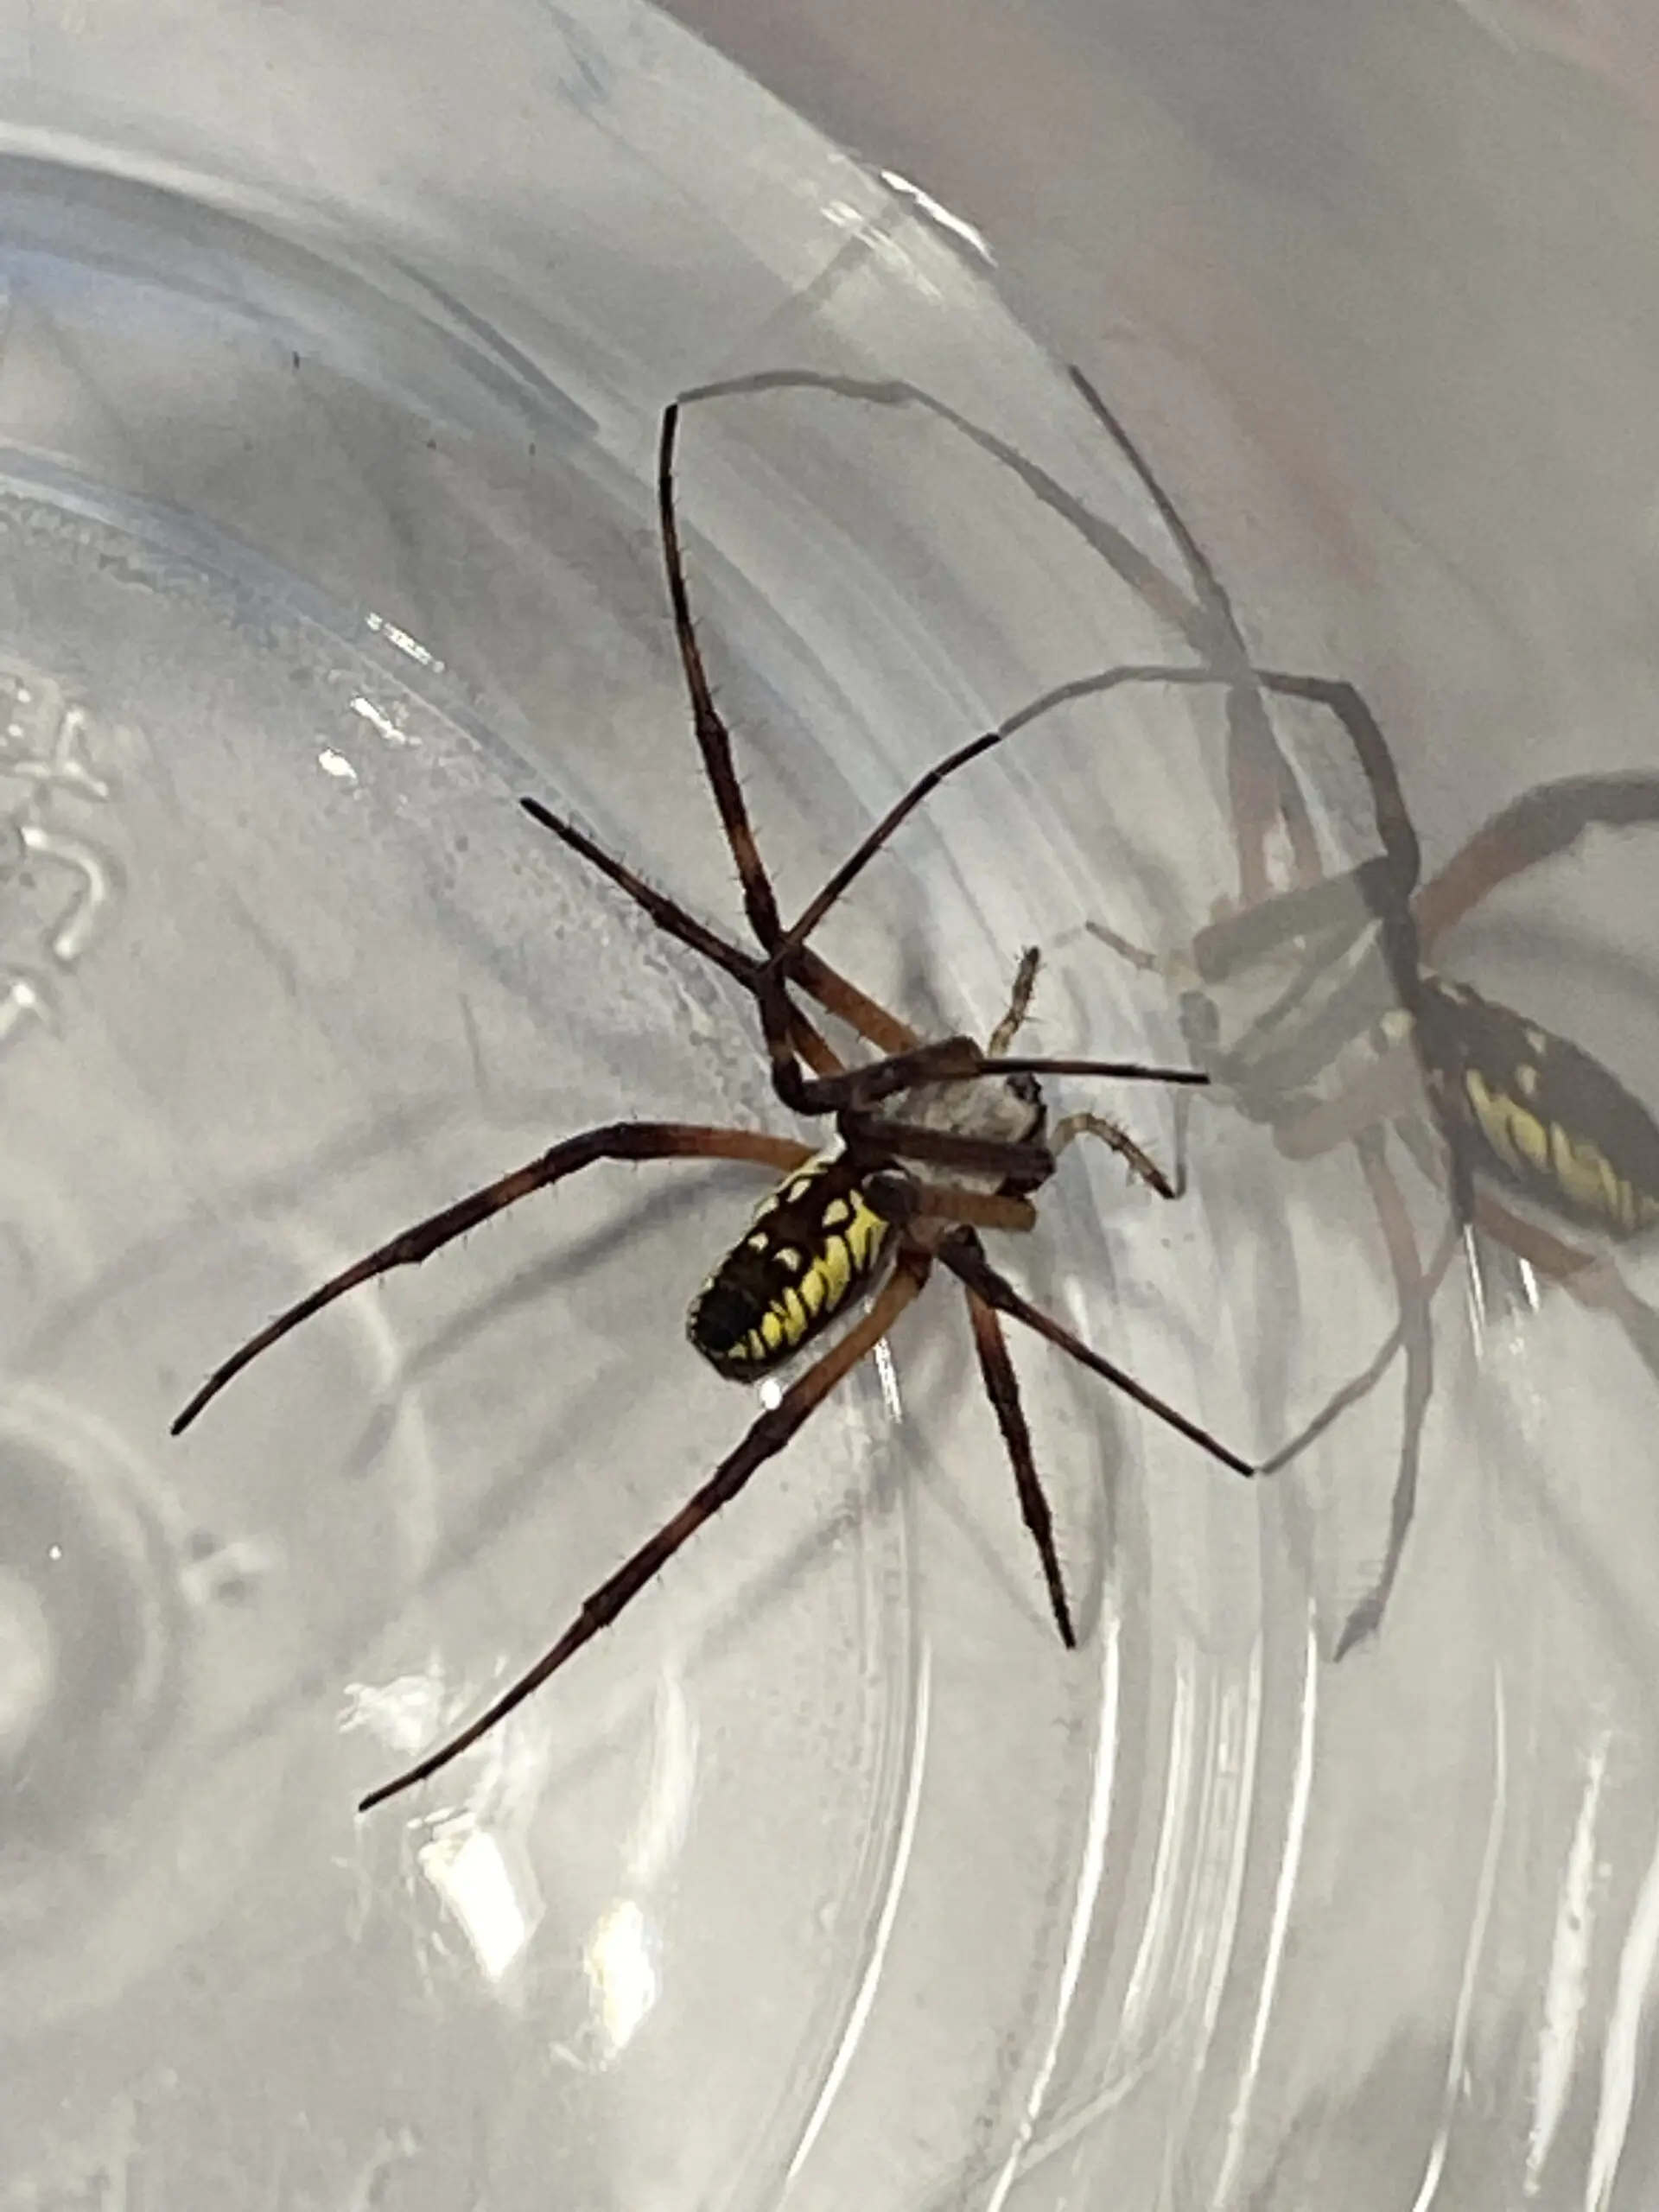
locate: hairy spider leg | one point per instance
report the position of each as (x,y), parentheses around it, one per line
(714,739)
(612,1141)
(832,992)
(965,1257)
(766,1437)
(947,1060)
(1002,1388)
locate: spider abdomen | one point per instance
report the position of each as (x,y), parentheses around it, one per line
(1546,1119)
(817,1245)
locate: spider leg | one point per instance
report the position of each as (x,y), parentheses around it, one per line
(1543,822)
(1145,962)
(1414,1291)
(1261,775)
(945,1059)
(965,1257)
(1384,882)
(612,1141)
(1389,1088)
(779,1021)
(715,744)
(1210,626)
(675,920)
(1002,1388)
(1361,1385)
(984,1209)
(815,976)
(1183,1120)
(714,739)
(766,1436)
(1262,783)
(1336,905)
(1025,983)
(1139,1163)
(1602,1289)
(1141,575)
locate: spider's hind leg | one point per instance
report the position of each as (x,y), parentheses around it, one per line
(964,1256)
(766,1435)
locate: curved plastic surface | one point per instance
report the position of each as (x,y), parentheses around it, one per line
(328,393)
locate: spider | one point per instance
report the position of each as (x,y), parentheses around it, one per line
(1357,1037)
(934,1142)
(1530,1134)
(1353,1037)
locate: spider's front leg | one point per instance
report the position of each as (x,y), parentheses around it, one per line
(612,1141)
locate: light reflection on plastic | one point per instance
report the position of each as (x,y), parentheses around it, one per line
(942,215)
(1567,1989)
(888,251)
(405,1714)
(770,1390)
(402,639)
(1474,1287)
(471,1855)
(1622,2050)
(888,1374)
(468,1869)
(621,1972)
(379,720)
(664,1816)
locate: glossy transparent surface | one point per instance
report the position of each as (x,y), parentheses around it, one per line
(329,389)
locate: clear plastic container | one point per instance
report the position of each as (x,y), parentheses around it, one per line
(334,346)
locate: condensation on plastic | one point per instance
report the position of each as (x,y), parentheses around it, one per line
(333,345)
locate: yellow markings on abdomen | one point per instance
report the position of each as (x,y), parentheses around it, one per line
(1545,1154)
(815,1245)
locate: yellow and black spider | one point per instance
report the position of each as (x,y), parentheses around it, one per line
(1350,1036)
(1529,1134)
(934,1142)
